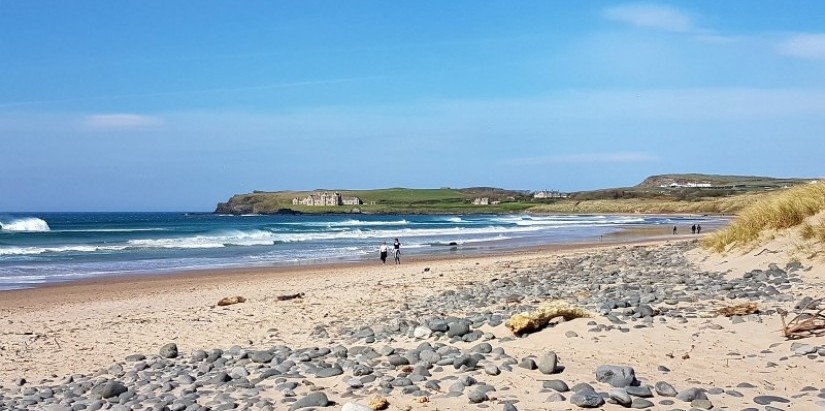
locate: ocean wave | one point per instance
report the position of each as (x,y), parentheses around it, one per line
(111,230)
(348,223)
(25,225)
(22,251)
(217,240)
(562,221)
(260,237)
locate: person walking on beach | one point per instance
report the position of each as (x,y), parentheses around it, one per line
(674,230)
(396,246)
(698,229)
(383,252)
(693,229)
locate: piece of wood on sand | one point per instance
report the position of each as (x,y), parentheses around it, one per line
(739,309)
(231,300)
(806,324)
(528,322)
(287,297)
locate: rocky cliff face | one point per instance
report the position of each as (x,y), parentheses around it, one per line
(255,203)
(233,208)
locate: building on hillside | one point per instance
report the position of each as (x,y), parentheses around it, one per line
(326,199)
(690,184)
(481,201)
(549,194)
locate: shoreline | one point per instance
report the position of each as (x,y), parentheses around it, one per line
(652,308)
(626,235)
(25,297)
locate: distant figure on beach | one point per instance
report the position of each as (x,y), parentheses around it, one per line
(693,229)
(674,230)
(383,252)
(698,229)
(396,246)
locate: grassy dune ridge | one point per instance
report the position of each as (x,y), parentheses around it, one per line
(774,211)
(723,205)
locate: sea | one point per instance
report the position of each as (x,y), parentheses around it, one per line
(46,248)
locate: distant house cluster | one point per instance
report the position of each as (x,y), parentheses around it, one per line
(485,201)
(326,199)
(549,194)
(690,184)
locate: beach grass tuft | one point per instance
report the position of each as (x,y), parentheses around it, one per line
(776,211)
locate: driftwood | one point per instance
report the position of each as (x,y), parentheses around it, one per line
(741,309)
(286,297)
(231,300)
(805,324)
(528,322)
(765,250)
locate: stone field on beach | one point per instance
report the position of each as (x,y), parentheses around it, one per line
(655,341)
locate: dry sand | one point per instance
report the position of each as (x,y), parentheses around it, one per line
(81,328)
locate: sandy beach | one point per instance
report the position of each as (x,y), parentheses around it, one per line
(653,303)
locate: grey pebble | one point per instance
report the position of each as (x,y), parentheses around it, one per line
(640,403)
(617,376)
(767,399)
(585,399)
(557,385)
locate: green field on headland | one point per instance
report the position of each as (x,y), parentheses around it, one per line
(670,193)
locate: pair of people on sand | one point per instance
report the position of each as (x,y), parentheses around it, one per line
(396,248)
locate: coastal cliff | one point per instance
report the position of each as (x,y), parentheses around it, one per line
(666,193)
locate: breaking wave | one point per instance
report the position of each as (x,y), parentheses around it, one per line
(25,225)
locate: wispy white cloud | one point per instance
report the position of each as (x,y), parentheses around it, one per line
(653,16)
(120,121)
(806,46)
(585,158)
(273,86)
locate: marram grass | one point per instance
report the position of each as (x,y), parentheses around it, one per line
(776,211)
(724,205)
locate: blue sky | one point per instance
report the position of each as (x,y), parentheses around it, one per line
(168,105)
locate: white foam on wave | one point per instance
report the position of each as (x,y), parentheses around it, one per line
(21,251)
(349,223)
(451,232)
(110,230)
(217,240)
(566,221)
(25,225)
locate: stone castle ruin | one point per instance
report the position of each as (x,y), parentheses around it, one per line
(326,199)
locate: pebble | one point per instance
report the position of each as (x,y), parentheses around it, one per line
(691,394)
(621,397)
(477,396)
(169,350)
(642,391)
(647,288)
(767,399)
(548,363)
(314,399)
(701,404)
(641,403)
(664,389)
(557,385)
(617,376)
(585,399)
(509,407)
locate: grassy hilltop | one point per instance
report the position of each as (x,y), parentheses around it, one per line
(669,193)
(390,201)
